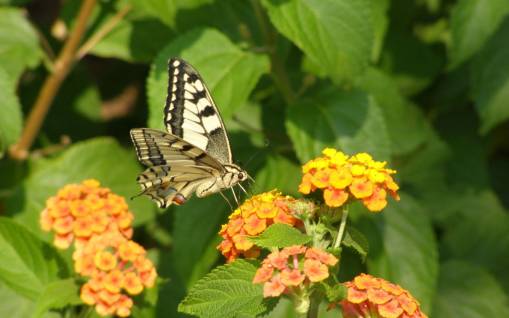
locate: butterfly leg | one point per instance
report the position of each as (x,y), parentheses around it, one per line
(226,199)
(245,192)
(235,196)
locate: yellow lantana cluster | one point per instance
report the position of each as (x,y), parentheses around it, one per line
(343,178)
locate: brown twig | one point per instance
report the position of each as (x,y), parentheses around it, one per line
(121,104)
(65,141)
(101,33)
(50,87)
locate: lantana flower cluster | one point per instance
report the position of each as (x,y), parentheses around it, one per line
(343,178)
(293,267)
(252,218)
(294,270)
(374,297)
(114,265)
(80,211)
(99,223)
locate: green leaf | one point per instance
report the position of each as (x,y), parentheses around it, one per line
(14,305)
(348,120)
(468,292)
(468,166)
(405,123)
(13,2)
(19,44)
(134,40)
(196,224)
(227,291)
(481,236)
(408,253)
(238,19)
(280,235)
(337,35)
(102,159)
(11,119)
(472,23)
(279,173)
(380,25)
(28,264)
(164,10)
(76,110)
(356,241)
(424,171)
(171,293)
(229,72)
(490,80)
(413,64)
(334,293)
(57,295)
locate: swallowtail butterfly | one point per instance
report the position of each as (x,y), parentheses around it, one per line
(194,155)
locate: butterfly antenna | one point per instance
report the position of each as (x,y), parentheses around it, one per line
(226,199)
(266,144)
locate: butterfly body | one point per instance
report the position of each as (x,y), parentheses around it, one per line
(194,156)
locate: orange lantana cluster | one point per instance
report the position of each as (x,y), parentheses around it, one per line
(113,264)
(370,296)
(80,211)
(99,223)
(293,267)
(343,178)
(252,218)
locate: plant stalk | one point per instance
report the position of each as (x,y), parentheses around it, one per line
(62,66)
(342,227)
(313,308)
(102,32)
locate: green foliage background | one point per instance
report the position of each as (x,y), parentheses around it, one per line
(423,84)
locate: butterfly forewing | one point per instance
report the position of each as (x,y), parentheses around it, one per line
(156,148)
(190,112)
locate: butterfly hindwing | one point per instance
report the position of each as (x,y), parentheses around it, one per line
(163,183)
(176,168)
(190,112)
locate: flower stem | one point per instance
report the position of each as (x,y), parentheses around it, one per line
(313,307)
(342,227)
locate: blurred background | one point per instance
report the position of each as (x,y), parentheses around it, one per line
(422,84)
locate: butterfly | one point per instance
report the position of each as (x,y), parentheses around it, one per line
(194,155)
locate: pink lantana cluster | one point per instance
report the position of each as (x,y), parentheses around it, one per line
(292,268)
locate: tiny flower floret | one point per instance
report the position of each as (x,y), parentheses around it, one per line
(343,179)
(370,296)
